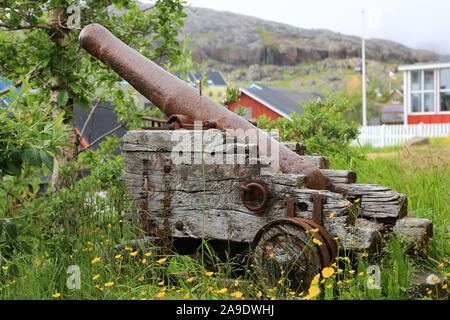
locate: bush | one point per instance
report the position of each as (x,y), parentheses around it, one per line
(322,127)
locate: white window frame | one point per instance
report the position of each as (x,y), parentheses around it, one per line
(422,92)
(439,92)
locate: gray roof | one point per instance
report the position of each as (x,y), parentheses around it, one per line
(280,100)
(212,78)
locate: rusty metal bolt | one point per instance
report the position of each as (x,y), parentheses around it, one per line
(179,225)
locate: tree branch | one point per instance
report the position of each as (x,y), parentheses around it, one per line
(89,117)
(104,135)
(7,28)
(17,83)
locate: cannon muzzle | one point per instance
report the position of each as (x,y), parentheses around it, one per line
(175,97)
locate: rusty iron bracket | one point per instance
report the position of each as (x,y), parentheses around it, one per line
(175,122)
(290,206)
(255,187)
(318,201)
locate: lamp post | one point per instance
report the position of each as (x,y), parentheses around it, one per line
(363,56)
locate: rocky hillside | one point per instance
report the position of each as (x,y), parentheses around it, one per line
(240,40)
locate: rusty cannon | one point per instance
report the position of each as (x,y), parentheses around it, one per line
(202,177)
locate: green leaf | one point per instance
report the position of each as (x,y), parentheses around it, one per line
(25,247)
(32,157)
(46,159)
(62,98)
(11,229)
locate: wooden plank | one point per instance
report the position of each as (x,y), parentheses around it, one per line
(376,201)
(340,176)
(415,229)
(297,147)
(319,161)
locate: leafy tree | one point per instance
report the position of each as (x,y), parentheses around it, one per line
(40,39)
(27,134)
(322,127)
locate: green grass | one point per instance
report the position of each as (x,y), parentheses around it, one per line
(87,234)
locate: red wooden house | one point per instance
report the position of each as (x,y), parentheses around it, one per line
(271,101)
(426,88)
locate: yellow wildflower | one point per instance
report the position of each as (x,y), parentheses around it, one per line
(109,284)
(160,295)
(351,271)
(364,254)
(143,293)
(327,272)
(236,283)
(237,294)
(347,204)
(133,254)
(224,290)
(190,279)
(361,274)
(161,283)
(144,261)
(313,291)
(161,260)
(4,267)
(148,254)
(209,274)
(128,248)
(444,286)
(186,296)
(118,256)
(96,259)
(56,295)
(316,279)
(96,277)
(329,286)
(357,200)
(318,242)
(314,230)
(332,215)
(141,278)
(259,294)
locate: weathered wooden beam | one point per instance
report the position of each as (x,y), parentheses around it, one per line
(376,201)
(414,229)
(340,176)
(297,147)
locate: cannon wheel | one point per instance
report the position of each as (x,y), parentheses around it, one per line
(286,249)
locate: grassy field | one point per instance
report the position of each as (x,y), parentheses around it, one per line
(48,264)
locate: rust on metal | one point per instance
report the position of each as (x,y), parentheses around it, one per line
(318,201)
(254,188)
(290,206)
(329,241)
(174,97)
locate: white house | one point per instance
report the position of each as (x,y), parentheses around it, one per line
(426,88)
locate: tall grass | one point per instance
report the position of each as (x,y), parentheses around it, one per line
(79,227)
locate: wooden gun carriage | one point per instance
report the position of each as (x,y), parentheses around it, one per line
(211,181)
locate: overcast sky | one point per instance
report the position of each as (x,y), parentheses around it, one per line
(423,24)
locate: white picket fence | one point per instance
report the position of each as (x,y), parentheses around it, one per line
(395,135)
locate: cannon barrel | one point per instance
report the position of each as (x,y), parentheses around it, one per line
(174,96)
